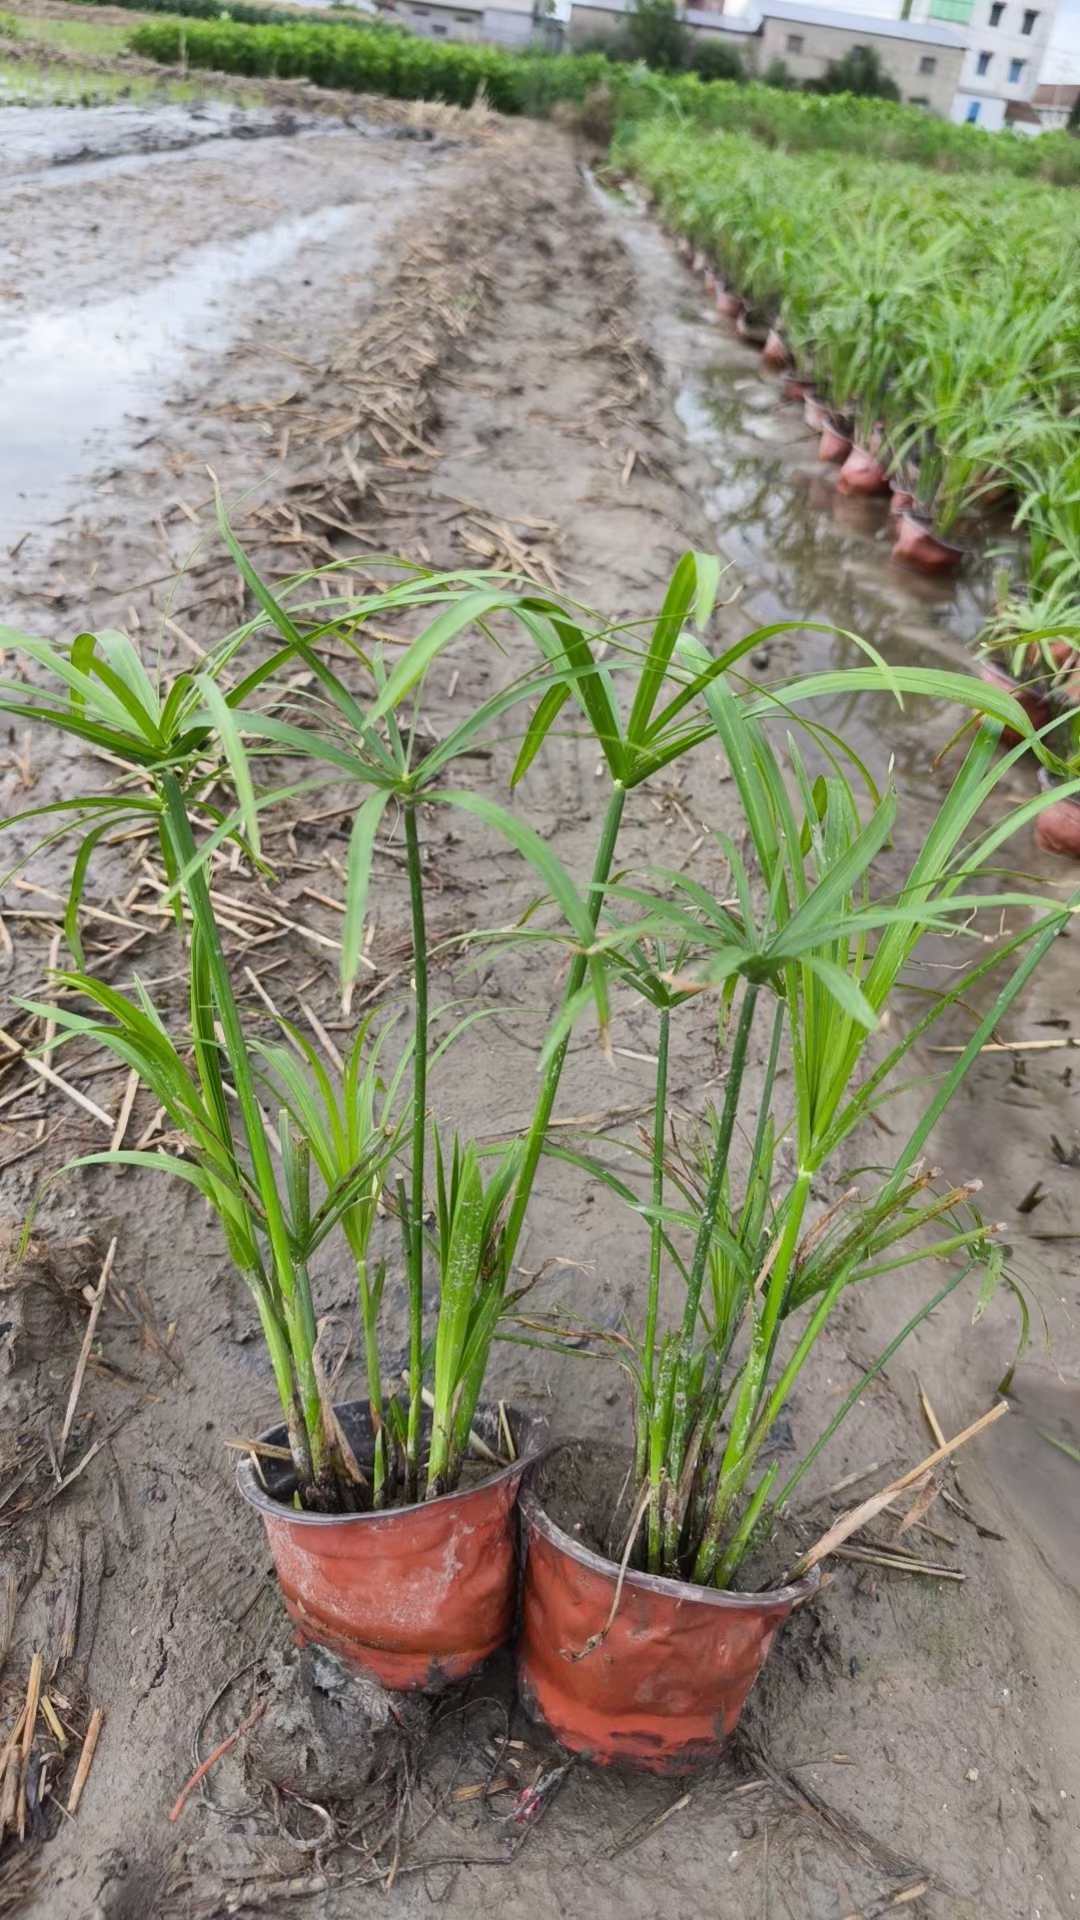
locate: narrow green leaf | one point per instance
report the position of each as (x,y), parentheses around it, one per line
(361,847)
(546,713)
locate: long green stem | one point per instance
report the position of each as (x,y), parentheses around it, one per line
(369,1322)
(262,1166)
(284,1374)
(675,1413)
(537,1134)
(419,1145)
(656,1244)
(714,1190)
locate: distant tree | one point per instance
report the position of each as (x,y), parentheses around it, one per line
(860,71)
(710,59)
(779,74)
(1072,124)
(657,35)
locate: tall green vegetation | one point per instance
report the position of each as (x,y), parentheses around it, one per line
(773,110)
(796,121)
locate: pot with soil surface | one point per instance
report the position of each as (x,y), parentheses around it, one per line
(797,388)
(835,445)
(918,546)
(776,353)
(632,1667)
(752,326)
(419,1595)
(1032,696)
(1057,827)
(862,474)
(728,305)
(650,1604)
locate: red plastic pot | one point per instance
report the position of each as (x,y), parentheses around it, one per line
(1057,828)
(1032,698)
(775,353)
(664,1684)
(900,500)
(754,332)
(793,386)
(917,545)
(728,305)
(862,474)
(833,446)
(815,414)
(418,1596)
(710,281)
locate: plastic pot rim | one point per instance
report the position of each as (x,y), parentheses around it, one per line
(535,1447)
(775,1600)
(926,525)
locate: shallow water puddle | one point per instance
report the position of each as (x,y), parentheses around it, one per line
(68,377)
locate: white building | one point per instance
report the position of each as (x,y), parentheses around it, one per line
(1007,40)
(509,23)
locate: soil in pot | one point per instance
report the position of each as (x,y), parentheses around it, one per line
(917,545)
(862,474)
(652,1673)
(419,1595)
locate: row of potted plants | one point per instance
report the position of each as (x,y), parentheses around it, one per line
(949,391)
(391,1516)
(941,338)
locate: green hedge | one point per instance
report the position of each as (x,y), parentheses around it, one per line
(400,65)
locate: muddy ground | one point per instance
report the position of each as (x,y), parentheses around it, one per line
(552,392)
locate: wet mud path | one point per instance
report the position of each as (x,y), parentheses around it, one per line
(586,417)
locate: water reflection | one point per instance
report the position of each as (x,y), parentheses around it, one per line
(805,552)
(68,377)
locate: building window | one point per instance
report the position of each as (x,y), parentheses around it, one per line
(983,63)
(439,27)
(958,11)
(928,64)
(972,113)
(1030,18)
(794,43)
(996,12)
(918,100)
(1016,72)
